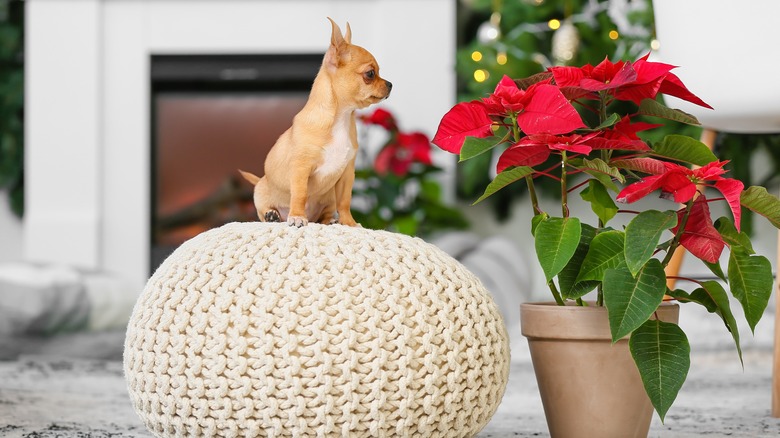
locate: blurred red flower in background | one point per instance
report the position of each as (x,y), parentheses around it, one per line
(402,149)
(382,118)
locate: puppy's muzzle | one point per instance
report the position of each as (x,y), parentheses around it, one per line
(389,86)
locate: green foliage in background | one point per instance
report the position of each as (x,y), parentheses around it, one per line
(396,188)
(412,204)
(12,102)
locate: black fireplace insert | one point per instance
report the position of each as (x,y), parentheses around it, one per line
(210,116)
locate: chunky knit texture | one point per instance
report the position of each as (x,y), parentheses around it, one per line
(258,329)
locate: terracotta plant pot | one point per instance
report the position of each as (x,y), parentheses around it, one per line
(589,387)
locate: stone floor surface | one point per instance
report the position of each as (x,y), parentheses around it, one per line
(72,386)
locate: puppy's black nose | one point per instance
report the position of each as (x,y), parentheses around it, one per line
(389,85)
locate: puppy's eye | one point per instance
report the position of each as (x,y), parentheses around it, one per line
(370,74)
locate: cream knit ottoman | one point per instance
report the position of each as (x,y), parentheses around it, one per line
(258,329)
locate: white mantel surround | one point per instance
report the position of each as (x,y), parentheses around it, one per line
(88,99)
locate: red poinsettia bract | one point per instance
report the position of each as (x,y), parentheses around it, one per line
(625,80)
(700,236)
(541,109)
(535,149)
(622,136)
(679,183)
(382,118)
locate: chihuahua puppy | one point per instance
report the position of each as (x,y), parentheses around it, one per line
(310,170)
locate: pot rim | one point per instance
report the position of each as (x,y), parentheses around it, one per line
(548,320)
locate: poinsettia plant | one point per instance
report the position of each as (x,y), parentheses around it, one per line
(587,118)
(396,188)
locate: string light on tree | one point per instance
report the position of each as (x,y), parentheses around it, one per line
(489,32)
(565,43)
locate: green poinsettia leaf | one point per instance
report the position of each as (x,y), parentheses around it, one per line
(567,278)
(556,240)
(605,252)
(631,300)
(503,179)
(651,107)
(699,296)
(474,147)
(720,297)
(611,121)
(600,201)
(716,300)
(760,201)
(663,357)
(536,220)
(685,149)
(750,278)
(643,234)
(732,237)
(603,172)
(716,269)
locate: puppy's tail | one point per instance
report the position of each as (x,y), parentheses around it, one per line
(252,178)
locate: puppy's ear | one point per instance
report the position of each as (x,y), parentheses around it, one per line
(348,35)
(338,45)
(336,38)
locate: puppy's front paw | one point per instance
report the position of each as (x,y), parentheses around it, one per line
(349,222)
(297,221)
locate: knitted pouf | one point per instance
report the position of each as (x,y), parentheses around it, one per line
(258,329)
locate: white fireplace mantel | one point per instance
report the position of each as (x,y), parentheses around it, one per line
(88,99)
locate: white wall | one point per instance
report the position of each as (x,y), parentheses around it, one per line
(87,100)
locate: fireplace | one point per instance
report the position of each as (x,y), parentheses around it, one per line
(210,115)
(88,121)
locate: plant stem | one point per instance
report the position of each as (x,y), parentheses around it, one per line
(603,106)
(604,157)
(579,185)
(603,102)
(529,180)
(515,128)
(678,236)
(532,192)
(564,192)
(555,293)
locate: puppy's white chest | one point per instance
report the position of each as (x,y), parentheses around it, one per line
(338,153)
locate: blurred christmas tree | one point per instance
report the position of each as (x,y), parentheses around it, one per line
(521,37)
(11,102)
(518,38)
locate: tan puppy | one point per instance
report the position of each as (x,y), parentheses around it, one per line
(310,170)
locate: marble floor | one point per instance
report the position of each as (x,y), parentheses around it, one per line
(72,386)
